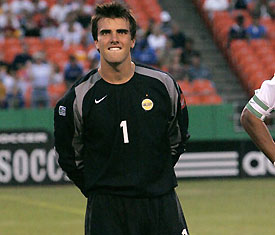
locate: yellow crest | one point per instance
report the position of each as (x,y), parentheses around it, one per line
(147,104)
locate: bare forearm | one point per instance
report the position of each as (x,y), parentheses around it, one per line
(259,134)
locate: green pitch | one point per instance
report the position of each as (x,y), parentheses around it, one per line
(211,207)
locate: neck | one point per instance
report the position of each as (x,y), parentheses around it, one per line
(116,73)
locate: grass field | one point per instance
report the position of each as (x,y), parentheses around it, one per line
(211,207)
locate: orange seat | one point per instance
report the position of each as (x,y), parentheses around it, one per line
(186,87)
(10,53)
(28,97)
(250,68)
(31,41)
(238,44)
(56,91)
(193,100)
(12,42)
(36,48)
(258,43)
(59,59)
(203,87)
(52,43)
(211,99)
(75,49)
(271,34)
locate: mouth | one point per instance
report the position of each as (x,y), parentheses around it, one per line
(114,48)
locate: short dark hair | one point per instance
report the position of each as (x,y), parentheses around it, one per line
(113,10)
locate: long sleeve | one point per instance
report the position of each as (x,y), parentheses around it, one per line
(178,131)
(68,142)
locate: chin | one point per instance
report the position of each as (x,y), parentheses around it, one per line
(115,61)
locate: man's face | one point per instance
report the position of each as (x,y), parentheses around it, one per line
(114,40)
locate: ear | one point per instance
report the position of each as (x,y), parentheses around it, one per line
(96,44)
(133,43)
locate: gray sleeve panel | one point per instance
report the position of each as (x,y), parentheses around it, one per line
(82,89)
(169,83)
(80,92)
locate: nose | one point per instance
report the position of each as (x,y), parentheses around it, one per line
(114,37)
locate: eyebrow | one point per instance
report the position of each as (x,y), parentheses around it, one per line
(118,30)
(105,31)
(122,30)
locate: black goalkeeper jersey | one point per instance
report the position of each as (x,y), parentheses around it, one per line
(122,139)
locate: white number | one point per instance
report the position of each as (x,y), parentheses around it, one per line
(123,124)
(184,232)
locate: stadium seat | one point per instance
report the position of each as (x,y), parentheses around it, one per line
(238,44)
(56,91)
(33,41)
(263,52)
(59,58)
(28,96)
(52,43)
(252,61)
(186,87)
(35,48)
(78,51)
(212,99)
(259,43)
(11,52)
(244,13)
(10,43)
(203,87)
(152,9)
(193,100)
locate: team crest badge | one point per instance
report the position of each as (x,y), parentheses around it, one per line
(62,111)
(147,104)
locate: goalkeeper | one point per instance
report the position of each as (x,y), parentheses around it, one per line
(119,131)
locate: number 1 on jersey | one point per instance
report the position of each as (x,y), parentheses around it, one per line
(123,124)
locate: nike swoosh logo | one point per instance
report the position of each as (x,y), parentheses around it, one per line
(98,101)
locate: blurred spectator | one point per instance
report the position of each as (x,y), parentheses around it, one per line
(3,65)
(9,24)
(177,37)
(29,26)
(2,94)
(4,6)
(197,69)
(238,30)
(3,70)
(143,53)
(22,58)
(84,13)
(14,94)
(156,39)
(70,32)
(57,76)
(178,70)
(262,8)
(188,51)
(17,6)
(166,55)
(50,29)
(240,4)
(72,71)
(215,5)
(256,30)
(151,25)
(93,58)
(39,6)
(272,11)
(166,27)
(59,11)
(40,73)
